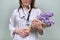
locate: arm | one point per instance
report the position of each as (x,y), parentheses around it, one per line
(39,26)
(11,25)
(40,30)
(23,32)
(36,25)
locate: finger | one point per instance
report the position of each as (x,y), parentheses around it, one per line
(26,31)
(34,21)
(25,34)
(22,34)
(23,31)
(39,25)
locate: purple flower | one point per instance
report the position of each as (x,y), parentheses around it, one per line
(44,17)
(47,15)
(49,22)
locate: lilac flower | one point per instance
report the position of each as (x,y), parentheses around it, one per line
(49,22)
(47,14)
(44,17)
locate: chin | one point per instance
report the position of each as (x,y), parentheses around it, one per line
(26,4)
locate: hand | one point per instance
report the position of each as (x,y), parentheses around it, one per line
(22,32)
(37,24)
(33,24)
(39,27)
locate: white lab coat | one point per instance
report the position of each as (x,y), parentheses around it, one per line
(16,21)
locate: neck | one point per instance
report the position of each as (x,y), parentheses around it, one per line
(26,7)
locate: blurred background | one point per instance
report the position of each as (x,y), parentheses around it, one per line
(51,33)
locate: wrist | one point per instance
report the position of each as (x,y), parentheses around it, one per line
(16,30)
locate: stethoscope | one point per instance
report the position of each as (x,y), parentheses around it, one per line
(23,17)
(27,20)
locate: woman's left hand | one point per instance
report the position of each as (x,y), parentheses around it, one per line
(36,24)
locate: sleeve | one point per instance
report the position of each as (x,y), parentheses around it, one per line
(39,12)
(11,24)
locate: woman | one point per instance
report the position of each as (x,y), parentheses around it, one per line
(20,20)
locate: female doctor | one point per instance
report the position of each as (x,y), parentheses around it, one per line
(20,20)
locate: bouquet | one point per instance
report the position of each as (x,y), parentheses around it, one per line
(45,19)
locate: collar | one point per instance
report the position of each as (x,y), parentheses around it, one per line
(28,10)
(25,12)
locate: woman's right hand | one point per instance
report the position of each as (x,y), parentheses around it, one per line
(23,32)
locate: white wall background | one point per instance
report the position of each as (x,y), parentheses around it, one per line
(7,6)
